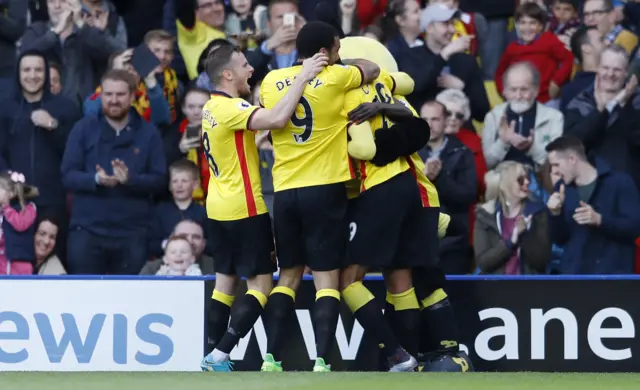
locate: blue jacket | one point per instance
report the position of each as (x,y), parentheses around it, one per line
(166,216)
(609,248)
(125,208)
(579,82)
(19,244)
(34,151)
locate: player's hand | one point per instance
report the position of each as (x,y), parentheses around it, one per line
(364,112)
(120,171)
(556,200)
(104,179)
(586,215)
(312,66)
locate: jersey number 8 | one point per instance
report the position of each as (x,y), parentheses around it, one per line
(206,145)
(305,123)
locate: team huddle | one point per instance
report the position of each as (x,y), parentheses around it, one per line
(349,195)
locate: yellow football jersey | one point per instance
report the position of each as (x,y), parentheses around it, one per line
(235,191)
(312,149)
(378,91)
(428,192)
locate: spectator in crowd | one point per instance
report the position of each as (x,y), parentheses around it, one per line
(374,32)
(443,63)
(70,41)
(586,46)
(548,181)
(183,181)
(520,128)
(511,235)
(13,21)
(17,225)
(565,20)
(605,117)
(34,126)
(195,234)
(601,14)
(102,15)
(113,164)
(348,17)
(470,23)
(179,258)
(279,51)
(240,24)
(204,81)
(141,16)
(542,49)
(161,44)
(47,229)
(55,78)
(369,12)
(595,212)
(150,102)
(450,167)
(199,22)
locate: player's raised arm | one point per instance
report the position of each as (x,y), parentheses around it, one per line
(404,84)
(370,71)
(277,117)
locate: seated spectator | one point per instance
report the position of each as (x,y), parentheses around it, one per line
(586,46)
(179,259)
(520,128)
(450,167)
(595,212)
(437,63)
(602,15)
(542,49)
(17,225)
(565,20)
(47,263)
(55,78)
(84,45)
(13,19)
(149,102)
(605,116)
(183,181)
(199,22)
(511,235)
(113,164)
(195,234)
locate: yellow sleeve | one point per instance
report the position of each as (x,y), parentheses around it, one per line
(261,97)
(347,76)
(352,99)
(443,224)
(362,145)
(235,114)
(402,83)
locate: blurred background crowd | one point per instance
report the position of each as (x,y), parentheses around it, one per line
(512,76)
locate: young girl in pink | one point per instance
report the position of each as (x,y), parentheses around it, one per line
(17,225)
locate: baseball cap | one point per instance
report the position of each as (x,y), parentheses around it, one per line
(436,13)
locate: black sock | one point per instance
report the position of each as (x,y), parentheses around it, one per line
(388,308)
(439,321)
(219,311)
(406,320)
(383,364)
(325,319)
(249,309)
(278,314)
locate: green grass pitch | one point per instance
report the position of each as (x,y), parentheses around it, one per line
(316,381)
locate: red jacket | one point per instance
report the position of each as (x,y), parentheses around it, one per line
(471,140)
(369,10)
(547,54)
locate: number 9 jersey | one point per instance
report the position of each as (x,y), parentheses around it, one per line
(312,149)
(235,191)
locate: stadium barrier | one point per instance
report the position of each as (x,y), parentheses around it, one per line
(549,323)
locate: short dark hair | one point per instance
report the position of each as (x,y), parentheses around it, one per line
(532,10)
(218,60)
(435,103)
(315,36)
(120,75)
(56,66)
(580,37)
(193,90)
(184,165)
(567,143)
(573,3)
(202,60)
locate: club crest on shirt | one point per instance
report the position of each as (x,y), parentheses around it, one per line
(206,115)
(244,105)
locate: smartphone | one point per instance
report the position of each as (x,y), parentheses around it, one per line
(193,132)
(143,60)
(289,19)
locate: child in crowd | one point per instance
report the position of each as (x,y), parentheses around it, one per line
(179,258)
(565,20)
(17,252)
(542,49)
(183,180)
(241,26)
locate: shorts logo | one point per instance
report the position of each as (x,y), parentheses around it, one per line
(353,228)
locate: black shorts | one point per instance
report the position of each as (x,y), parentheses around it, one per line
(310,227)
(388,225)
(243,247)
(431,241)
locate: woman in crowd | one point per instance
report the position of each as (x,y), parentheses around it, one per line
(47,263)
(511,234)
(401,26)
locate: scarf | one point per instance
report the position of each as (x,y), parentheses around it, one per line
(466,27)
(198,157)
(141,104)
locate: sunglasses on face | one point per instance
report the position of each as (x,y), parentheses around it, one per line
(522,179)
(458,115)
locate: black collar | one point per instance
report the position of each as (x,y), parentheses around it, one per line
(220,93)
